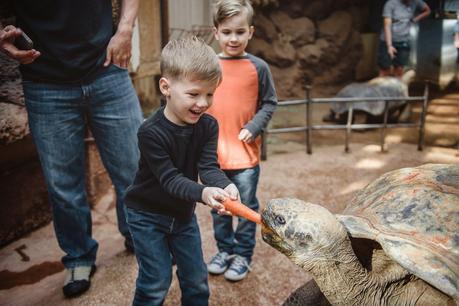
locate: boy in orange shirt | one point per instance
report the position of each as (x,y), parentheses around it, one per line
(243,105)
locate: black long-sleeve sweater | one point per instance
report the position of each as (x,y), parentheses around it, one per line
(171,157)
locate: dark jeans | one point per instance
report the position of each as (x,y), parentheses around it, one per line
(157,237)
(58,117)
(401,58)
(242,240)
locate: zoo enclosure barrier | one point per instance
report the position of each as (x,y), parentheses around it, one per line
(349,126)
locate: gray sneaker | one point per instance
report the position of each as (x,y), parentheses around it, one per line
(238,269)
(219,263)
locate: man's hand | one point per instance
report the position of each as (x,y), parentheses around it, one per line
(7,37)
(213,197)
(245,136)
(232,191)
(119,48)
(391,51)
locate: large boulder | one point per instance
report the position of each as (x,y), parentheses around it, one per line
(264,28)
(310,54)
(318,9)
(259,47)
(13,123)
(264,3)
(337,28)
(299,31)
(279,53)
(13,115)
(288,81)
(293,8)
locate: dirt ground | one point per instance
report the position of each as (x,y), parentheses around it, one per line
(30,269)
(328,177)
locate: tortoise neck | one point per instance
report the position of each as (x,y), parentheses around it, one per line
(342,279)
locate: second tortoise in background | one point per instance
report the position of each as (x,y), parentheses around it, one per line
(379,87)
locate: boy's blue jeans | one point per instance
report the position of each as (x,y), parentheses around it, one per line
(58,118)
(242,240)
(156,238)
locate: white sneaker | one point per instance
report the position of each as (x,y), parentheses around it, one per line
(219,263)
(238,269)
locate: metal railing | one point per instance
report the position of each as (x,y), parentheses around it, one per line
(349,126)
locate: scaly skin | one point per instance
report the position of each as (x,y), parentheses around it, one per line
(315,240)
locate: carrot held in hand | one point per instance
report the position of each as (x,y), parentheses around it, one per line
(239,209)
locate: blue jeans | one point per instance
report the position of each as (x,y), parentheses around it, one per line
(58,118)
(157,237)
(241,241)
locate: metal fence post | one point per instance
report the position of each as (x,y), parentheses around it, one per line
(423,117)
(264,144)
(383,129)
(350,112)
(308,120)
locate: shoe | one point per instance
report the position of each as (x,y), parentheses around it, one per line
(78,280)
(238,269)
(129,245)
(219,263)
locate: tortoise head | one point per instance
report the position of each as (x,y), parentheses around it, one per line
(304,232)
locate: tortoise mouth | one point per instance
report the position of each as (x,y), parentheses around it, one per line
(273,239)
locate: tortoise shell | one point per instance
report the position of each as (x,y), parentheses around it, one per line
(413,213)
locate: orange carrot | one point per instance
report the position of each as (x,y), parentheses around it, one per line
(241,210)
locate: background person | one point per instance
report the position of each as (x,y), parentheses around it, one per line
(394,46)
(244,104)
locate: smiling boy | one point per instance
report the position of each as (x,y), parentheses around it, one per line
(177,143)
(243,106)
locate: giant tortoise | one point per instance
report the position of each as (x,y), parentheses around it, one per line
(379,87)
(396,243)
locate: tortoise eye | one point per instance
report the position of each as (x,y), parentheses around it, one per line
(280,220)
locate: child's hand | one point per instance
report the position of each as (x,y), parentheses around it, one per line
(212,196)
(245,136)
(232,191)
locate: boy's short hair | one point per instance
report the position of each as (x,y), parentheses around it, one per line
(228,8)
(190,58)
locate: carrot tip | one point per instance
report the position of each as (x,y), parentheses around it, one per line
(241,210)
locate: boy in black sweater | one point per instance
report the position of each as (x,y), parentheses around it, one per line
(178,142)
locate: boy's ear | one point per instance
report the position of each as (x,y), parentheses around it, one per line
(164,86)
(215,33)
(251,31)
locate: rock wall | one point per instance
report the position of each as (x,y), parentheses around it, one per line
(314,42)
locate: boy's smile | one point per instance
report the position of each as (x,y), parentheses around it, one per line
(233,35)
(187,99)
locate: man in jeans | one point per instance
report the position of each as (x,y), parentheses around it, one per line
(75,78)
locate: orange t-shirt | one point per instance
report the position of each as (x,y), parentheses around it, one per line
(235,103)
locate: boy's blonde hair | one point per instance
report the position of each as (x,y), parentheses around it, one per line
(190,58)
(229,8)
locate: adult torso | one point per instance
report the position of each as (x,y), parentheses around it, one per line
(401,15)
(72,37)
